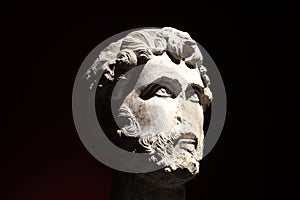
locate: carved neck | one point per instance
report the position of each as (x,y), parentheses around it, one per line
(127,186)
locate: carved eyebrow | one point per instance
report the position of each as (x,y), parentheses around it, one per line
(196,87)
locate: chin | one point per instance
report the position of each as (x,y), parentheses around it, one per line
(179,167)
(176,158)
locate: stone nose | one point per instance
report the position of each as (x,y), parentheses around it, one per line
(188,125)
(189,131)
(191,118)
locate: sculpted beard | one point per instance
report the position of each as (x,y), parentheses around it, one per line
(166,149)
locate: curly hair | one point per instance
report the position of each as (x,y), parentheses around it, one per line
(140,46)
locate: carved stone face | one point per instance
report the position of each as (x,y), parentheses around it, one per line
(164,111)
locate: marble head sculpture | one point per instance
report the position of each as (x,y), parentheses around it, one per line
(159,108)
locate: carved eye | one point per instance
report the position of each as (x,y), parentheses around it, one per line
(157,90)
(194,95)
(163,92)
(195,98)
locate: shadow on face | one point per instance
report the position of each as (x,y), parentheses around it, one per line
(162,99)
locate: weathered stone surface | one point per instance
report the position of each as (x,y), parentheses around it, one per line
(162,110)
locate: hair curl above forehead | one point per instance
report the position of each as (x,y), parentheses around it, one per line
(140,46)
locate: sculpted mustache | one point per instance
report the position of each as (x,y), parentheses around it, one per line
(160,141)
(163,146)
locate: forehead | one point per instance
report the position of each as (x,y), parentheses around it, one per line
(162,67)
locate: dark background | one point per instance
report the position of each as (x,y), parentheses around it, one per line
(252,45)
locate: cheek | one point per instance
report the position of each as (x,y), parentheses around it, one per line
(192,118)
(198,119)
(198,113)
(154,115)
(158,115)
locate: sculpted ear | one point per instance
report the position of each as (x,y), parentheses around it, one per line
(129,125)
(207,97)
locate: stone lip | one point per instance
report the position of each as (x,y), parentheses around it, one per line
(188,138)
